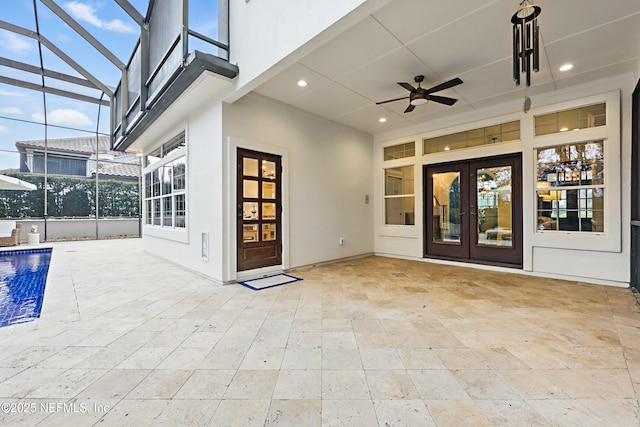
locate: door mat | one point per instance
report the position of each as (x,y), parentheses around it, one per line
(269,282)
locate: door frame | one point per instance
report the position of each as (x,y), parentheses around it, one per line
(468,250)
(229,223)
(274,258)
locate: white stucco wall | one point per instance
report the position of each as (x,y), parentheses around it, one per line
(267,36)
(197,113)
(597,259)
(327,169)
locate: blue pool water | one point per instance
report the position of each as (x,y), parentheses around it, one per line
(23,276)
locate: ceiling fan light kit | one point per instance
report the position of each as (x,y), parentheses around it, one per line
(420,95)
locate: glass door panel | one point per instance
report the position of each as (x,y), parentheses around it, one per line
(446,207)
(493,206)
(473,210)
(446,204)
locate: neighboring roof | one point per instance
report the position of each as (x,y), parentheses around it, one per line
(78,145)
(118,170)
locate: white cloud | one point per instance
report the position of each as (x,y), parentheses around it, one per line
(10,110)
(63,117)
(4,129)
(14,93)
(16,44)
(87,13)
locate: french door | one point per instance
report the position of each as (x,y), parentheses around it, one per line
(259,234)
(473,210)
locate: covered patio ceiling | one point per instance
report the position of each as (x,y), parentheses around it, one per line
(443,39)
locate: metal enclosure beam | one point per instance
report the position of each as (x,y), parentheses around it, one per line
(131,11)
(5,62)
(53,48)
(84,33)
(53,91)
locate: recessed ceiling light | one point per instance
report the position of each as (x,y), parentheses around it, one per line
(382,120)
(302,83)
(564,129)
(446,148)
(566,67)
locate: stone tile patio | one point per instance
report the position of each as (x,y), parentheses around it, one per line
(126,338)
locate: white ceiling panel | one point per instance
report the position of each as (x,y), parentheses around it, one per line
(560,19)
(412,19)
(467,44)
(360,44)
(331,101)
(367,119)
(602,45)
(629,66)
(284,87)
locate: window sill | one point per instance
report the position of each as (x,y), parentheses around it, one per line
(174,234)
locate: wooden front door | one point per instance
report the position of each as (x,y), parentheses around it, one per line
(259,210)
(473,210)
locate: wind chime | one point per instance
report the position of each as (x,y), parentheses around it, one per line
(526,48)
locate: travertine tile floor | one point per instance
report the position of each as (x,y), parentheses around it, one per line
(126,338)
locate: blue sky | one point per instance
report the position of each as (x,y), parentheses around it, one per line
(110,25)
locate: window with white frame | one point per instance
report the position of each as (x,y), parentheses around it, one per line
(570,187)
(165,185)
(399,198)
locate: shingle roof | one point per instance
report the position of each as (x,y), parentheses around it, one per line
(123,170)
(77,145)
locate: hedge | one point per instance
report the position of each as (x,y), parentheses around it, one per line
(70,197)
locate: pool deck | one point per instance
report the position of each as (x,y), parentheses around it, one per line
(126,338)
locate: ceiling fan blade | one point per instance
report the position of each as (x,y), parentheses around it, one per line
(408,87)
(410,108)
(445,85)
(391,100)
(442,99)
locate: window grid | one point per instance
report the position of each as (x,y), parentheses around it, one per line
(574,119)
(399,197)
(400,151)
(504,132)
(165,188)
(570,187)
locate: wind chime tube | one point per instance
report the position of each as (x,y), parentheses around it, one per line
(516,40)
(529,51)
(523,46)
(536,50)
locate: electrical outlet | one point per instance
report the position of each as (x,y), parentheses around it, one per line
(342,241)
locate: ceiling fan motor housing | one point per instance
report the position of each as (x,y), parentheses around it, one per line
(418,98)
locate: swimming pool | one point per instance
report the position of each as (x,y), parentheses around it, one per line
(23,276)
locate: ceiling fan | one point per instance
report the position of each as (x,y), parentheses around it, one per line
(419,95)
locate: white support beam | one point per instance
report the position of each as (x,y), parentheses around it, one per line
(84,33)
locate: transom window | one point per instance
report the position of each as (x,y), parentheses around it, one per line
(574,119)
(400,151)
(164,150)
(503,132)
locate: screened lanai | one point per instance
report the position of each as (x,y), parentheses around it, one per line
(78,80)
